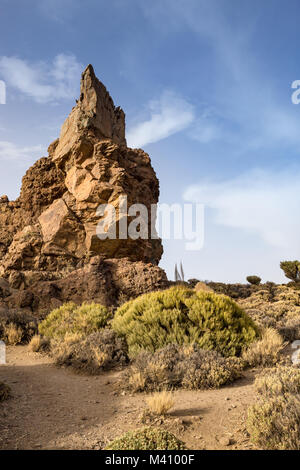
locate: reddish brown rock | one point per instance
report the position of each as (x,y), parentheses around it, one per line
(49,248)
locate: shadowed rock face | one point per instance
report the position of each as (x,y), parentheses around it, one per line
(49,232)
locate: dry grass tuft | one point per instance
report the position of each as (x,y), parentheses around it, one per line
(39,344)
(160,403)
(265,351)
(13,334)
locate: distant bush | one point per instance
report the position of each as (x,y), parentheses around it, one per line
(17,327)
(274,421)
(235,291)
(254,280)
(277,307)
(97,352)
(265,351)
(70,318)
(5,391)
(182,316)
(147,439)
(202,286)
(291,269)
(186,366)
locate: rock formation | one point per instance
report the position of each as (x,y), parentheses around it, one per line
(49,248)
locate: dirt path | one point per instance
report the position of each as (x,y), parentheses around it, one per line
(54,408)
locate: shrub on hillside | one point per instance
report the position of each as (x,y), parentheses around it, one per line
(71,319)
(91,354)
(265,351)
(186,366)
(254,280)
(291,269)
(5,391)
(182,316)
(235,291)
(17,327)
(147,439)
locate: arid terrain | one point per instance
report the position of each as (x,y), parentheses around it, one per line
(53,408)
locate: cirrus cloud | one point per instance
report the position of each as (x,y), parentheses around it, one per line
(168,115)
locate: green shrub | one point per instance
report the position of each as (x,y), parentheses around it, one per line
(182,316)
(181,366)
(99,351)
(291,269)
(5,391)
(147,439)
(254,280)
(71,319)
(274,423)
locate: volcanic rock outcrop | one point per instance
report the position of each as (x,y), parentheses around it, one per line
(49,249)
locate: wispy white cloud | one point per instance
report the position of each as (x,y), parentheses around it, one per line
(12,152)
(43,81)
(259,202)
(168,115)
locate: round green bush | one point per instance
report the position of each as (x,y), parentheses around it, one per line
(147,439)
(71,319)
(181,315)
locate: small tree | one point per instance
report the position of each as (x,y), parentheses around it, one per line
(291,269)
(254,280)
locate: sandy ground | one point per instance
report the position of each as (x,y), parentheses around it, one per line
(54,408)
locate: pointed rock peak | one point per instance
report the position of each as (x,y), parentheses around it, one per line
(95,113)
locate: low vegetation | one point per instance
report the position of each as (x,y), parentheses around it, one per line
(17,327)
(39,344)
(274,421)
(147,439)
(160,403)
(278,381)
(277,307)
(186,366)
(73,319)
(91,354)
(181,315)
(265,351)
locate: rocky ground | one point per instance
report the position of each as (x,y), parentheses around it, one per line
(54,408)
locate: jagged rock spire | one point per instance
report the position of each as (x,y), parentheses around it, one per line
(94,113)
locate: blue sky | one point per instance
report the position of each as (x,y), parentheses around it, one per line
(206,88)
